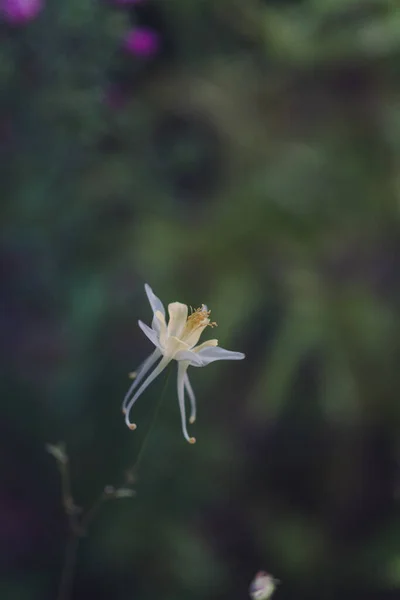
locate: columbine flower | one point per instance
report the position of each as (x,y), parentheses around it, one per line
(263,586)
(176,341)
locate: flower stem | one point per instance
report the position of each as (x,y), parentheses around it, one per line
(68,572)
(78,526)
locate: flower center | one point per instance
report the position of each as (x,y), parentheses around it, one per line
(200,317)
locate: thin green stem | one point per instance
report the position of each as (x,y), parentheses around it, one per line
(78,527)
(68,572)
(90,514)
(71,548)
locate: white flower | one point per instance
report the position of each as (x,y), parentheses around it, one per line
(176,341)
(263,586)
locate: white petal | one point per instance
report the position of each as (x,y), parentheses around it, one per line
(159,325)
(141,372)
(206,344)
(192,399)
(155,325)
(155,302)
(210,354)
(159,368)
(150,333)
(182,367)
(189,356)
(177,318)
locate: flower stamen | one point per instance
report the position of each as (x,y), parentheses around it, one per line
(199,317)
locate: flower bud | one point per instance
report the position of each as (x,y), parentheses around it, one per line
(263,586)
(58,451)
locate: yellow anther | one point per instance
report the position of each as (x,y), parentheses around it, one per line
(132,426)
(200,317)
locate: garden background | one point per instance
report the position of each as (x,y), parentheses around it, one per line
(241,154)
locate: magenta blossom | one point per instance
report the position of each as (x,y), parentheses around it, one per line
(20,11)
(142,41)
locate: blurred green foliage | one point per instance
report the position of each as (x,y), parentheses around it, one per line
(252,165)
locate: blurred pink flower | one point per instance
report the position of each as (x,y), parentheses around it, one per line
(20,11)
(142,41)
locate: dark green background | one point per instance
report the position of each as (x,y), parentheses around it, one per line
(252,165)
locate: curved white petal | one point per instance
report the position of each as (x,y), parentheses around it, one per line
(155,302)
(192,399)
(177,318)
(206,344)
(211,354)
(141,372)
(150,333)
(190,357)
(159,368)
(182,367)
